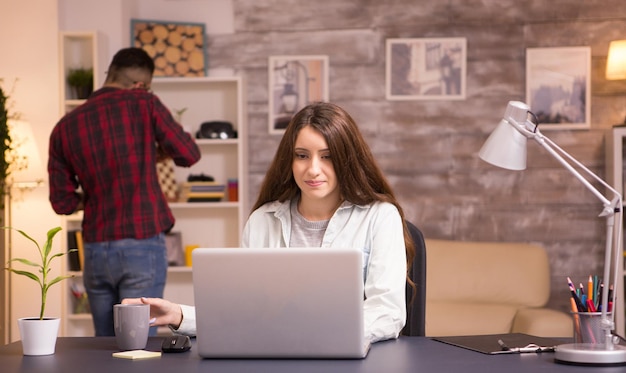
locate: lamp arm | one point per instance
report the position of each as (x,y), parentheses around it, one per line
(529,130)
(551,148)
(610,209)
(589,172)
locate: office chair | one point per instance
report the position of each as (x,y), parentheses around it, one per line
(416,302)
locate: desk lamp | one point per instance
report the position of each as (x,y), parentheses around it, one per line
(506,148)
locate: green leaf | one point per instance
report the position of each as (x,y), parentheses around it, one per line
(48,245)
(55,280)
(24,261)
(25,235)
(24,273)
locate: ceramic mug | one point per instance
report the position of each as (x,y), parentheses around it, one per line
(132,324)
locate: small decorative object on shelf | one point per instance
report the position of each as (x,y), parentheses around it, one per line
(174,244)
(167,179)
(233,186)
(216,130)
(81,82)
(202,191)
(81,303)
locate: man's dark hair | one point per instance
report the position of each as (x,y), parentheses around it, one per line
(132,57)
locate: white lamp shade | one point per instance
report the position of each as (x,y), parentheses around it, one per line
(506,146)
(616,60)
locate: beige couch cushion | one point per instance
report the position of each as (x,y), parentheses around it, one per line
(487,272)
(448,318)
(489,288)
(543,322)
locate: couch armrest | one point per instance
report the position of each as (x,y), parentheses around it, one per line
(447,318)
(543,322)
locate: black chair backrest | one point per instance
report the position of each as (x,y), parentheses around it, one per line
(416,302)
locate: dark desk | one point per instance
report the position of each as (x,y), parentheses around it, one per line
(407,354)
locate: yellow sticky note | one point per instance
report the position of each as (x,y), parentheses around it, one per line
(137,354)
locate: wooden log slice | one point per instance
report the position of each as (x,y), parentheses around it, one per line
(188,45)
(169,70)
(172,55)
(150,50)
(175,38)
(182,68)
(196,60)
(160,46)
(146,37)
(160,32)
(160,62)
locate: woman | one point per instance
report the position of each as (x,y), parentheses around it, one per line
(325,189)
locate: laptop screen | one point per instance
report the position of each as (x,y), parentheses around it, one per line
(279,302)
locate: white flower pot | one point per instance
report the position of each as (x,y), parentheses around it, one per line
(39,337)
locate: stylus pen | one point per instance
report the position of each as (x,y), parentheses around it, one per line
(529,348)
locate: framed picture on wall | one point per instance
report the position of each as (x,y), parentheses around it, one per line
(178,49)
(426,69)
(558,86)
(294,82)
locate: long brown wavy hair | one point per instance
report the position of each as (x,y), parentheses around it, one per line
(359,177)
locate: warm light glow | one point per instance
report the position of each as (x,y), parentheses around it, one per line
(26,156)
(616,60)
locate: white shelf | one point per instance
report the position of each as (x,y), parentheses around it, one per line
(203,205)
(194,79)
(203,142)
(179,269)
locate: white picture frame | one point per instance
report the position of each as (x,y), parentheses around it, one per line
(426,68)
(558,86)
(294,82)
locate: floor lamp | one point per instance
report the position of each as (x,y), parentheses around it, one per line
(506,148)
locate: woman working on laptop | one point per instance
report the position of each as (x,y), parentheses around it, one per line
(325,189)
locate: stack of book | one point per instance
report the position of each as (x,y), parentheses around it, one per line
(76,258)
(202,191)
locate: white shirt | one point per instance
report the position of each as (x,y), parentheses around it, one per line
(376,229)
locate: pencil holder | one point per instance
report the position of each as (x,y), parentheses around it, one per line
(588,327)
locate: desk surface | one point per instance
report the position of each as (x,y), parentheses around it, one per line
(407,354)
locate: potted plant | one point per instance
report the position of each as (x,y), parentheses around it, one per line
(81,81)
(39,333)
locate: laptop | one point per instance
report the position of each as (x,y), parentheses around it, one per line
(279,303)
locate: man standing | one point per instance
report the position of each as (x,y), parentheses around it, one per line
(102,158)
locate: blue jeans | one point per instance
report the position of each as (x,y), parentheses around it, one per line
(127,268)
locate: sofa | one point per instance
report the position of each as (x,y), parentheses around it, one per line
(476,288)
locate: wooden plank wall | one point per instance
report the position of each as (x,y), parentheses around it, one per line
(428,149)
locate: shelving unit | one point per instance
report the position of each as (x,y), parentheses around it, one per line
(72,323)
(210,224)
(77,50)
(615,175)
(205,224)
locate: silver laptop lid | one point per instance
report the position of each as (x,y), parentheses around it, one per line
(279,302)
